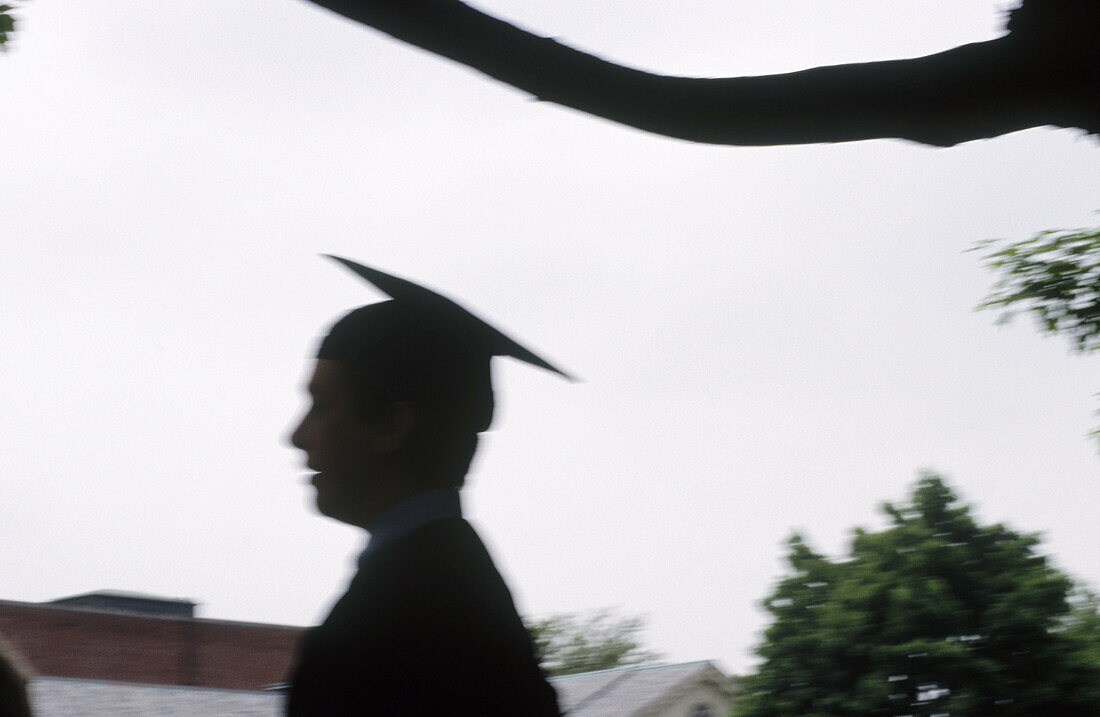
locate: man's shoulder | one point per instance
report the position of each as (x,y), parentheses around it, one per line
(433,604)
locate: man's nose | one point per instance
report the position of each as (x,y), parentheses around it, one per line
(298,434)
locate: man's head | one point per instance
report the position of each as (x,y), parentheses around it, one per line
(400,391)
(398,401)
(420,352)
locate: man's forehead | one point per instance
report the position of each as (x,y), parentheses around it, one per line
(328,376)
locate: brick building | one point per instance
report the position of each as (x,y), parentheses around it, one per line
(126,637)
(125,654)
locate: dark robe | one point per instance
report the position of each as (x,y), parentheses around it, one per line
(427,627)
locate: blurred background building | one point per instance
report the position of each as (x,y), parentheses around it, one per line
(119,653)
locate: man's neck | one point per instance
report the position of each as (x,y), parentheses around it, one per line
(414,512)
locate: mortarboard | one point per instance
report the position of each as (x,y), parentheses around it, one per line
(423,347)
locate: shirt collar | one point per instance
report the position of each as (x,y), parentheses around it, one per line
(414,512)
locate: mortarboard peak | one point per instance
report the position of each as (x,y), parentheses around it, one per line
(492,340)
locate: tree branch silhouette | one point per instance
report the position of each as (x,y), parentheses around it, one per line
(1044,72)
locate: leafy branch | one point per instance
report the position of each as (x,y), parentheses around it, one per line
(7,24)
(1055,275)
(570,643)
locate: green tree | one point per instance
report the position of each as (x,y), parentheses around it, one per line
(7,24)
(933,615)
(570,643)
(1054,275)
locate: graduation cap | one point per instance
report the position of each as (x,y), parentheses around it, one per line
(423,347)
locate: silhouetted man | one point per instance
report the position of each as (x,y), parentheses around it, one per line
(427,626)
(13,683)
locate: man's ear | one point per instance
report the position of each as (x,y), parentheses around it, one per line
(391,430)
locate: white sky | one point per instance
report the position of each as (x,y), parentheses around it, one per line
(770,338)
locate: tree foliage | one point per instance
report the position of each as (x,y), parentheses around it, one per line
(1082,624)
(934,615)
(570,643)
(7,24)
(1055,275)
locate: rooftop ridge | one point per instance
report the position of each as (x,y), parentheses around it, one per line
(146,616)
(633,668)
(132,594)
(151,685)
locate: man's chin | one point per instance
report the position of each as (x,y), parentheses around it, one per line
(327,505)
(323,498)
(332,506)
(340,498)
(328,509)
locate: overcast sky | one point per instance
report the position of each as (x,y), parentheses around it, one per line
(770,339)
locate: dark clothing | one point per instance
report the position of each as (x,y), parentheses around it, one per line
(427,627)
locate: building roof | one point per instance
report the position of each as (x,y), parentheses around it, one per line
(59,697)
(125,594)
(64,604)
(629,690)
(124,601)
(606,693)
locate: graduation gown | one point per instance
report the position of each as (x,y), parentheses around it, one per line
(427,627)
